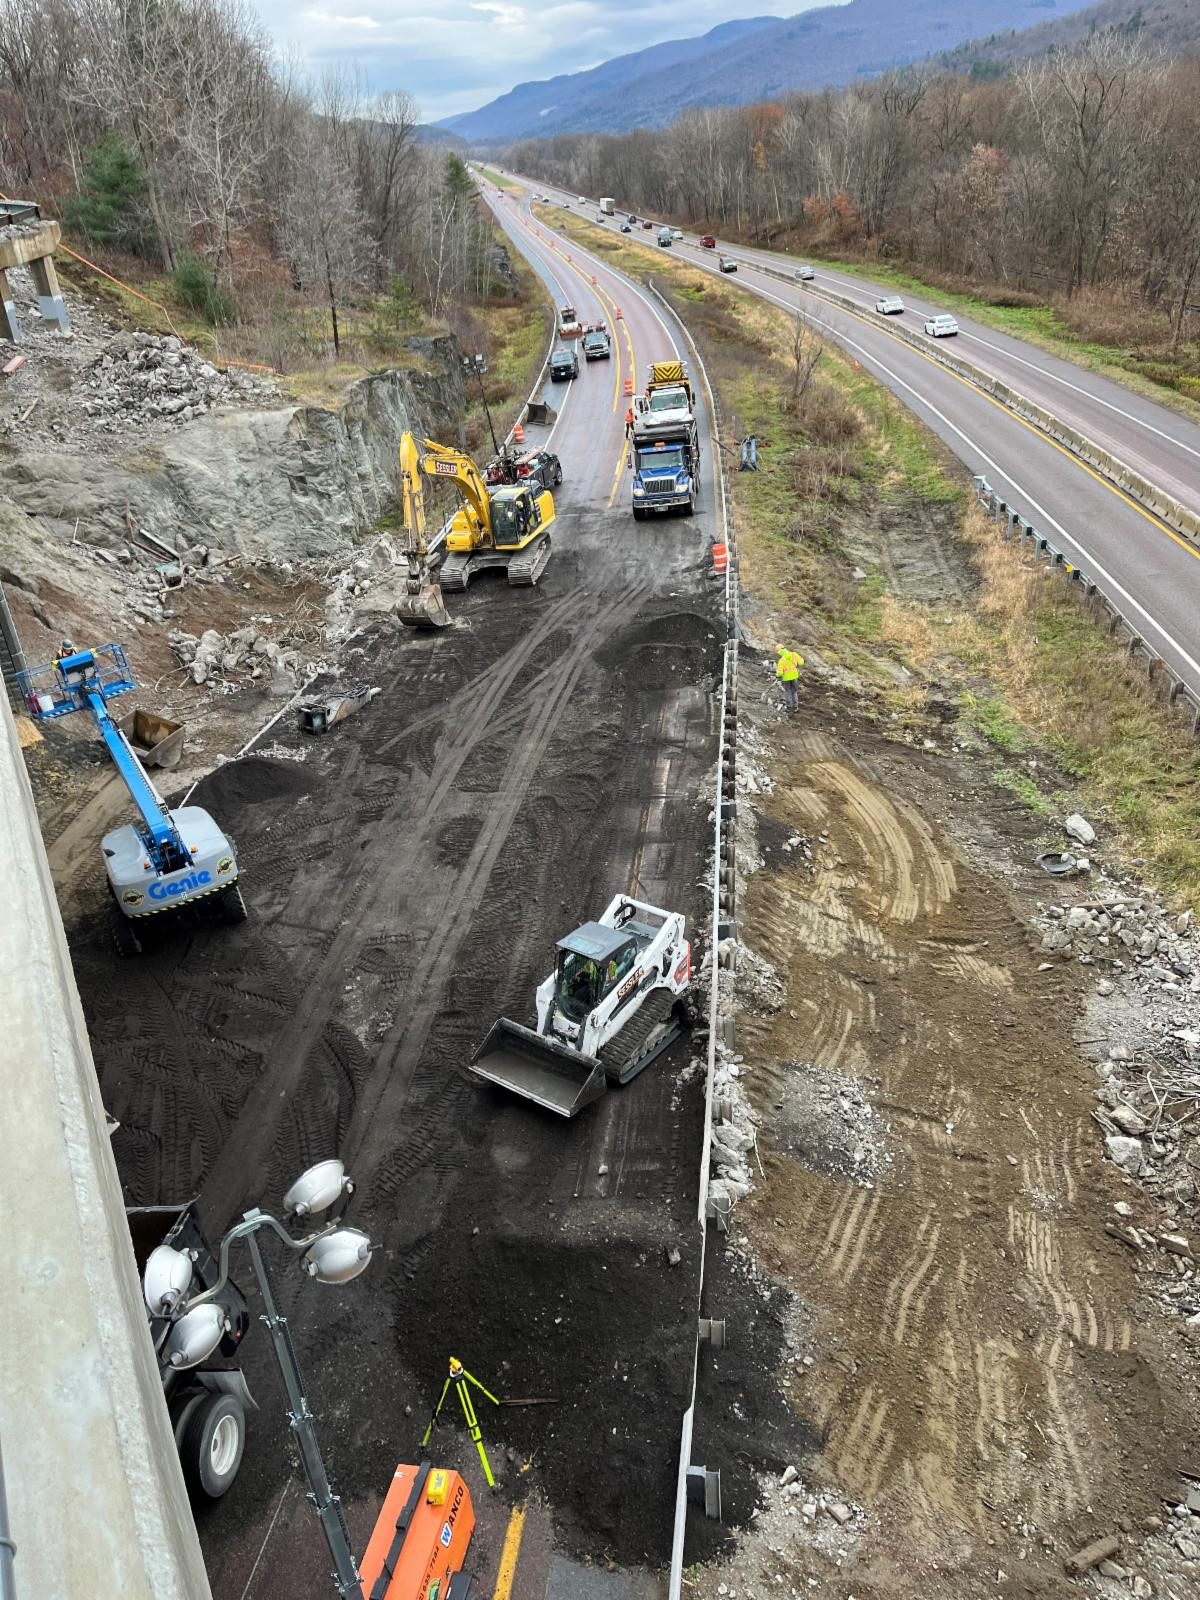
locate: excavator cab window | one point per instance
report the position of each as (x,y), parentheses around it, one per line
(510,518)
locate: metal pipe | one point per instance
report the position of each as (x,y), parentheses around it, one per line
(8,1550)
(328,1505)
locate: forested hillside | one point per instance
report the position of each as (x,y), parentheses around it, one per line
(1079,170)
(172,144)
(1171,25)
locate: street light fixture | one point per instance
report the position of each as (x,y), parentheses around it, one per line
(477,364)
(330,1254)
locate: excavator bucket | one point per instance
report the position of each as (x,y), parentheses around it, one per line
(538,1068)
(422,606)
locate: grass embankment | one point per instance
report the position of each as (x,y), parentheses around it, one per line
(851,534)
(499,179)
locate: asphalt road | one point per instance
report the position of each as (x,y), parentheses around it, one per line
(407,877)
(1149,571)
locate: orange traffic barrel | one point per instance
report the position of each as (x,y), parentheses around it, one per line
(628,385)
(593,280)
(518,434)
(720,559)
(618,311)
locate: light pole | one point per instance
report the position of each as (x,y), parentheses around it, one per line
(331,1254)
(478,365)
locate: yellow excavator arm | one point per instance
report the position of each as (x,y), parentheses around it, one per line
(472,527)
(421,605)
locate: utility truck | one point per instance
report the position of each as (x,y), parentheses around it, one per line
(666,443)
(607,205)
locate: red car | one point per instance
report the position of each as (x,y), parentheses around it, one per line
(647,224)
(709,242)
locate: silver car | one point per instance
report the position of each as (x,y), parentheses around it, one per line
(890,306)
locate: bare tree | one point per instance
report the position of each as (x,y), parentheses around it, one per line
(327,232)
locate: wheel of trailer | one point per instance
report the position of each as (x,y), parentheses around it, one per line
(210,1449)
(233,907)
(124,934)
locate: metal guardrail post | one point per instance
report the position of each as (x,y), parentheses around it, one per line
(12,656)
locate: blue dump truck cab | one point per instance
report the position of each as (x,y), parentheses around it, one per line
(666,469)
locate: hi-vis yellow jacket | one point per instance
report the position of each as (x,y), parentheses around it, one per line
(787,666)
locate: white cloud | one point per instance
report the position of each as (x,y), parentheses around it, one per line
(473,50)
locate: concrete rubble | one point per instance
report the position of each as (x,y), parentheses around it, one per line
(140,377)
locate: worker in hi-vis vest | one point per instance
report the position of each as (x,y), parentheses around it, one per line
(787,670)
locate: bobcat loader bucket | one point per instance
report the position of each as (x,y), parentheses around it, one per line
(538,1068)
(421,606)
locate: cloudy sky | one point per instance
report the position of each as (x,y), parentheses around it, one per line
(455,55)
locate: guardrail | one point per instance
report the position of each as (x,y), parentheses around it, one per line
(706,1484)
(1171,511)
(1159,672)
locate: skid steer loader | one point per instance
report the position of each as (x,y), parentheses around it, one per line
(634,961)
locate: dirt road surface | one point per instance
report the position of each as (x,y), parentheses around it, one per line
(977,1372)
(407,877)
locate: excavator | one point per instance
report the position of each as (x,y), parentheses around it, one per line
(505,526)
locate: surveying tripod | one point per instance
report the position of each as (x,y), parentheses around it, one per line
(459,1378)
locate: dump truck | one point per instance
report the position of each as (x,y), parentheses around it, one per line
(633,961)
(666,469)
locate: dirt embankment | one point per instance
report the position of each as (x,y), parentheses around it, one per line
(981,1370)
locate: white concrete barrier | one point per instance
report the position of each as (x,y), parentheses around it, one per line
(96,1499)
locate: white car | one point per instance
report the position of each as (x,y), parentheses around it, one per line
(941,327)
(890,306)
(582,199)
(677,233)
(805,273)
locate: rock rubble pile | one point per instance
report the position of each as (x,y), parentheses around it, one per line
(214,658)
(143,377)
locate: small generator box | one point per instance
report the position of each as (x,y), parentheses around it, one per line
(421,1538)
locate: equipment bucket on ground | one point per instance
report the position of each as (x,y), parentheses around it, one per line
(157,741)
(538,1068)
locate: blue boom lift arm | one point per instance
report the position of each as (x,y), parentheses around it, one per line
(86,680)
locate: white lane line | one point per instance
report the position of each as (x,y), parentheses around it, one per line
(849,285)
(1023,494)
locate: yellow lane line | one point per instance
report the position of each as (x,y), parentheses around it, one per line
(509,1554)
(610,306)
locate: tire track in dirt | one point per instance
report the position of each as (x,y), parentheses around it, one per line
(962,1302)
(243,1157)
(400,1050)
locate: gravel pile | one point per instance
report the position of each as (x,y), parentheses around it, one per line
(145,377)
(1129,932)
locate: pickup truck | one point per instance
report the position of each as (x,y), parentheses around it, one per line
(665,238)
(564,365)
(597,346)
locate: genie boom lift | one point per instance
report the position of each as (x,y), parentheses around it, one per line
(169,859)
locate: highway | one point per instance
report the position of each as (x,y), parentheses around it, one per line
(1148,570)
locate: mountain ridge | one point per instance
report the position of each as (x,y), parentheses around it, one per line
(741,62)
